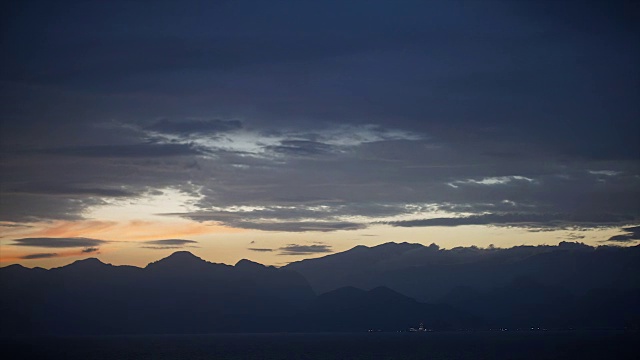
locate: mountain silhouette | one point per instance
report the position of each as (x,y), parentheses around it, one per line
(178,294)
(249,265)
(181,261)
(554,286)
(523,303)
(352,309)
(89,263)
(388,287)
(427,273)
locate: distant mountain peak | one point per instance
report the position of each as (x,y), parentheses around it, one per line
(402,245)
(248,264)
(178,259)
(14,266)
(88,262)
(183,255)
(570,245)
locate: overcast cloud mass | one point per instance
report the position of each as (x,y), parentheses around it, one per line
(317,116)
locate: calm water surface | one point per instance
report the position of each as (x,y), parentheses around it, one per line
(454,345)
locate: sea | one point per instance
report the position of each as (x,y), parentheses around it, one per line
(378,345)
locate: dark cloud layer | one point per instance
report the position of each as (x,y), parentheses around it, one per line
(58,242)
(310,114)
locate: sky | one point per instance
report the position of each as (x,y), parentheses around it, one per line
(284,130)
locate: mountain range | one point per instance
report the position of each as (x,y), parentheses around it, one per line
(389,287)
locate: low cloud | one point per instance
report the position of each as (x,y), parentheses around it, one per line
(295,249)
(260,249)
(632,234)
(271,219)
(58,189)
(301,148)
(187,127)
(604,172)
(145,150)
(15,225)
(302,226)
(500,180)
(39,256)
(90,250)
(517,219)
(573,236)
(58,242)
(169,244)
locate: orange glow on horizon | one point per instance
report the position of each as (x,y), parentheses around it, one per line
(124,231)
(119,234)
(19,256)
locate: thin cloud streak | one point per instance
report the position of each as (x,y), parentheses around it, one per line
(39,256)
(296,249)
(58,242)
(260,249)
(555,221)
(169,244)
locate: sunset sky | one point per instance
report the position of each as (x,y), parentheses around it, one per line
(283,130)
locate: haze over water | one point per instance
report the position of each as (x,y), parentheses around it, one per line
(432,346)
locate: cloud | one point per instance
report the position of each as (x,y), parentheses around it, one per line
(301,226)
(632,234)
(27,208)
(187,127)
(260,249)
(289,144)
(500,180)
(280,218)
(295,249)
(604,172)
(90,250)
(301,148)
(145,150)
(39,256)
(64,189)
(517,219)
(169,244)
(295,214)
(348,122)
(15,225)
(58,242)
(573,236)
